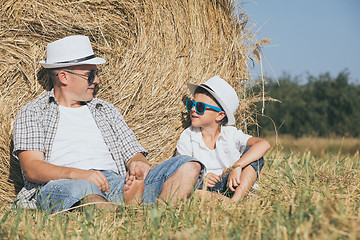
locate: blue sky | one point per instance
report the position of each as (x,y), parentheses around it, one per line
(308,36)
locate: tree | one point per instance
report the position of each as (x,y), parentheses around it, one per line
(323,106)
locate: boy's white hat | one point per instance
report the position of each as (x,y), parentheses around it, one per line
(70,51)
(223,93)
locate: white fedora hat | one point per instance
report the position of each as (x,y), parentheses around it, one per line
(70,51)
(223,93)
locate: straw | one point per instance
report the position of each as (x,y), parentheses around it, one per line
(153,48)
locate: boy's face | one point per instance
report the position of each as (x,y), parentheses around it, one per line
(210,118)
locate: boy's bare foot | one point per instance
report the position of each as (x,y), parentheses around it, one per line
(207,195)
(134,188)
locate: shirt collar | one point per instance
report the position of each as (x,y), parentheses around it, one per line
(222,133)
(197,137)
(94,103)
(196,134)
(52,96)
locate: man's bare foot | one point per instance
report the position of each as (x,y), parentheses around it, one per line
(134,188)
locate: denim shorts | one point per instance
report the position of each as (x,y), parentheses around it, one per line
(62,194)
(221,186)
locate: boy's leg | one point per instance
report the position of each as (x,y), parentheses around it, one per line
(248,177)
(172,179)
(99,201)
(204,194)
(181,184)
(247,180)
(218,192)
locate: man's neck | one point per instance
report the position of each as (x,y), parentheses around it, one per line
(66,101)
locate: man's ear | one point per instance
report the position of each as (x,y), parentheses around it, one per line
(62,77)
(220,116)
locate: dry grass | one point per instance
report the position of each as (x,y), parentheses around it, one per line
(301,197)
(153,48)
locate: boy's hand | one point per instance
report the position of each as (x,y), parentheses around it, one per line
(234,178)
(211,179)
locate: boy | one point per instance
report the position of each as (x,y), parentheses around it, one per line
(213,141)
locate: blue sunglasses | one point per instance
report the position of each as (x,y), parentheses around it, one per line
(200,107)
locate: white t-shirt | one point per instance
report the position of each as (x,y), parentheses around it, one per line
(230,144)
(78,142)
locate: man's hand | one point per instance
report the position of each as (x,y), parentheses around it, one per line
(211,179)
(234,178)
(142,166)
(97,178)
(39,171)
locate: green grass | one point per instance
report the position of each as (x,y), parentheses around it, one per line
(301,197)
(318,146)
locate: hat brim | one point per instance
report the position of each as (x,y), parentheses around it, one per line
(93,61)
(231,119)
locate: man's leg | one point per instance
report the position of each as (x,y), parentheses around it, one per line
(64,193)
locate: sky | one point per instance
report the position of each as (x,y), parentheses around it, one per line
(307,36)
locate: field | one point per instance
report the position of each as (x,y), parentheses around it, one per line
(303,195)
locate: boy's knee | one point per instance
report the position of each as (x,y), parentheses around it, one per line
(93,198)
(191,169)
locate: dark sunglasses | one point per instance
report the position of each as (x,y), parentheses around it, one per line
(200,107)
(90,78)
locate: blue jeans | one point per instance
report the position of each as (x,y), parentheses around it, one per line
(62,194)
(221,186)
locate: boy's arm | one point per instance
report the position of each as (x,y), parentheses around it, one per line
(258,148)
(37,170)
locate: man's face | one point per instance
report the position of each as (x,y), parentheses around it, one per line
(78,85)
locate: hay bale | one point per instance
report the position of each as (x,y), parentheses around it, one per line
(153,48)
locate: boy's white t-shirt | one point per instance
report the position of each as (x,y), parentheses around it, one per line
(78,142)
(230,144)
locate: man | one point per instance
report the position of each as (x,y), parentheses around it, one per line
(75,148)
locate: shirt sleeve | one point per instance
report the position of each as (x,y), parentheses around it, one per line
(28,133)
(241,140)
(126,138)
(183,146)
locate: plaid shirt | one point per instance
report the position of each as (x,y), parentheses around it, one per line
(36,125)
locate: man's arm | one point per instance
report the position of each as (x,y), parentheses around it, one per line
(140,162)
(37,170)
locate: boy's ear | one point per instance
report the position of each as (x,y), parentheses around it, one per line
(220,116)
